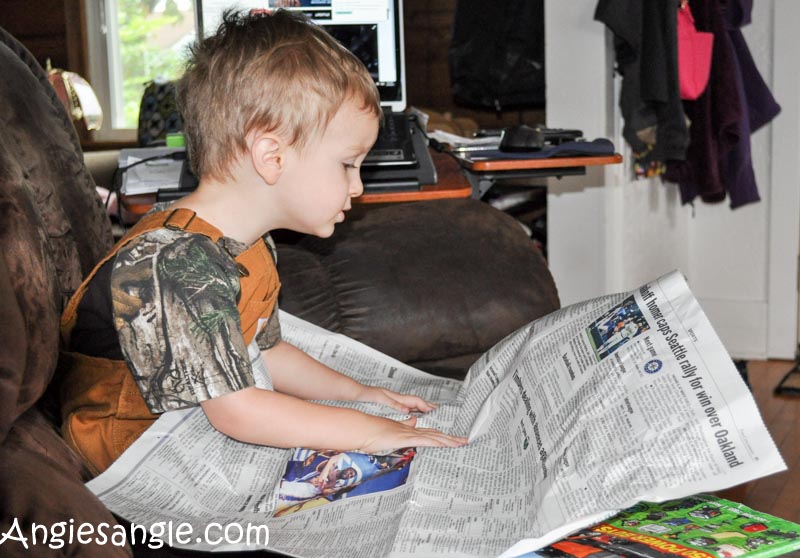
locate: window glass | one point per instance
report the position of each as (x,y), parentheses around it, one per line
(146,40)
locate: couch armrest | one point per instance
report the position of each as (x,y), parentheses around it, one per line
(433,284)
(101,165)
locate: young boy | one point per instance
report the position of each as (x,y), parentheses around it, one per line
(183,312)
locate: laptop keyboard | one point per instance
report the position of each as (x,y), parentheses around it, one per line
(393,146)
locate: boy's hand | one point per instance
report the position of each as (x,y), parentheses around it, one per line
(402,402)
(389,434)
(243,414)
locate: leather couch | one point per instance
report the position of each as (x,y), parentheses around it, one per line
(433,284)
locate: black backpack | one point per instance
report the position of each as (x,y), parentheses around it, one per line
(158,113)
(497,54)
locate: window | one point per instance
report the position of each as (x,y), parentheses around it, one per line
(131,42)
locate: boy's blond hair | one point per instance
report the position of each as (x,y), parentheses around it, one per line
(273,72)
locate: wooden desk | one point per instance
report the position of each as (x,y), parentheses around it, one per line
(482,174)
(551,163)
(134,207)
(451,183)
(456,179)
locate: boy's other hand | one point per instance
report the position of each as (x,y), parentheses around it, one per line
(400,401)
(390,434)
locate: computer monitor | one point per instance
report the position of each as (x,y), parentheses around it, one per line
(370,29)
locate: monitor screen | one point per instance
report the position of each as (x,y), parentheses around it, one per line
(370,29)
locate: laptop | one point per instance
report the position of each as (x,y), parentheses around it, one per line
(373,31)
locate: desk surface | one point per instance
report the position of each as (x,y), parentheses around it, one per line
(533,164)
(451,183)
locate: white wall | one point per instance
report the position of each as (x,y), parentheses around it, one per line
(609,233)
(784,239)
(576,207)
(606,232)
(728,256)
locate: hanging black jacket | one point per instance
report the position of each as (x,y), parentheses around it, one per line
(646,49)
(497,53)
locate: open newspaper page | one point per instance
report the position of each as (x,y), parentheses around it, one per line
(181,470)
(570,419)
(619,399)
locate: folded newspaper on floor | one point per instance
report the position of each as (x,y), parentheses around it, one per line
(574,417)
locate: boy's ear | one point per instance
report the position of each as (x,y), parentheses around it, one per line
(267,153)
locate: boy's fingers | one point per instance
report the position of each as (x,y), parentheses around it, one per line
(399,406)
(392,400)
(414,402)
(442,440)
(420,404)
(431,431)
(403,402)
(429,436)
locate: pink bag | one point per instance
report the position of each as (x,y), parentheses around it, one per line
(694,55)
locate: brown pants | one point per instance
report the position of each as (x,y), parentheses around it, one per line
(102,408)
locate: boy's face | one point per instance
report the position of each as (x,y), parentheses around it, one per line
(320,180)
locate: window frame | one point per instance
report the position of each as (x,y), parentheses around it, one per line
(99,70)
(100,50)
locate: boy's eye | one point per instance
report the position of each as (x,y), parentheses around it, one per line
(349,166)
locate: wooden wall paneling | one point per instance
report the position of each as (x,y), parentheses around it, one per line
(33,17)
(428,29)
(428,33)
(46,47)
(75,23)
(77,51)
(40,25)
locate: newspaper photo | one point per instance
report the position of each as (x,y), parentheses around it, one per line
(570,419)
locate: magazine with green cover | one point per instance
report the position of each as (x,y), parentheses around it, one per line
(699,526)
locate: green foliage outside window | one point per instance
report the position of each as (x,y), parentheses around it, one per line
(152,45)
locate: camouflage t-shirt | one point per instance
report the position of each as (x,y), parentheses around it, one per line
(174,298)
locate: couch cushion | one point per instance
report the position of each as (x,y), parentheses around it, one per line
(433,284)
(42,142)
(53,228)
(33,490)
(29,299)
(35,432)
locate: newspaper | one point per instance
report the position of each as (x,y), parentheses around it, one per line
(581,413)
(160,172)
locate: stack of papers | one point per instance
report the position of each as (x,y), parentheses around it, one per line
(461,143)
(152,176)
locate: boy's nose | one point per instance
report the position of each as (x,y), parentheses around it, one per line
(356,187)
